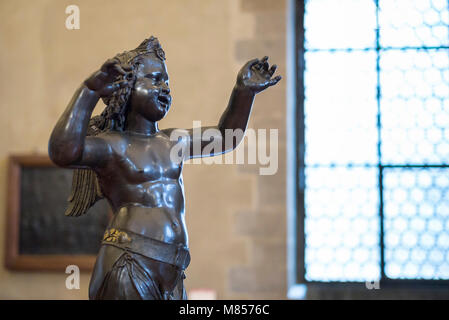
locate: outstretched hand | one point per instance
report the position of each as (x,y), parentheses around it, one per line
(103,81)
(256,75)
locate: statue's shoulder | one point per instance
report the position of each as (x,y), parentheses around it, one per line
(174,134)
(116,140)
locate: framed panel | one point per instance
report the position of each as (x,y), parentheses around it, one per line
(39,236)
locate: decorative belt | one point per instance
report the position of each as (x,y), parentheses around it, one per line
(177,255)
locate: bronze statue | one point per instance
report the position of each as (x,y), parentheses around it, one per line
(124,157)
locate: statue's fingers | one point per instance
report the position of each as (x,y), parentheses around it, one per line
(274,81)
(265,73)
(127,67)
(265,66)
(108,64)
(251,63)
(118,69)
(272,70)
(264,70)
(109,89)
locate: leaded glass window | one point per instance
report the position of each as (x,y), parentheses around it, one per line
(374,172)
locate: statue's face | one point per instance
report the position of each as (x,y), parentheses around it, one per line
(150,96)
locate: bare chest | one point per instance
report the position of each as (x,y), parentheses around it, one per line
(142,159)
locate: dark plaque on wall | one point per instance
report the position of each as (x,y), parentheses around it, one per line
(39,235)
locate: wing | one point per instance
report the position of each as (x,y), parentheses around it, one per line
(86,190)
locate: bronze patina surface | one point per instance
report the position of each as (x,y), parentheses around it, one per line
(123,156)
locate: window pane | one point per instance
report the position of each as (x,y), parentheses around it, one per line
(415,107)
(416,211)
(413,23)
(340,108)
(340,24)
(341,224)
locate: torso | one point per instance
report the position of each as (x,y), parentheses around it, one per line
(144,186)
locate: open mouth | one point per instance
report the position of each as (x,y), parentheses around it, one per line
(164,100)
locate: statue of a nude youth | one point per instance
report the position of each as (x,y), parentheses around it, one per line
(124,157)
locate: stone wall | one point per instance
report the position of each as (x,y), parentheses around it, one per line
(236,217)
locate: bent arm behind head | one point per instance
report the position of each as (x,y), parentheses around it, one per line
(68,145)
(67,139)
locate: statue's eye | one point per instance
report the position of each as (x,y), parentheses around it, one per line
(154,76)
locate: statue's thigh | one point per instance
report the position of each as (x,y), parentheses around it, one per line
(106,258)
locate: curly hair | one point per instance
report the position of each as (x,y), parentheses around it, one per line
(86,190)
(114,115)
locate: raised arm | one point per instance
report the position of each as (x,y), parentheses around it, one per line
(254,77)
(68,145)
